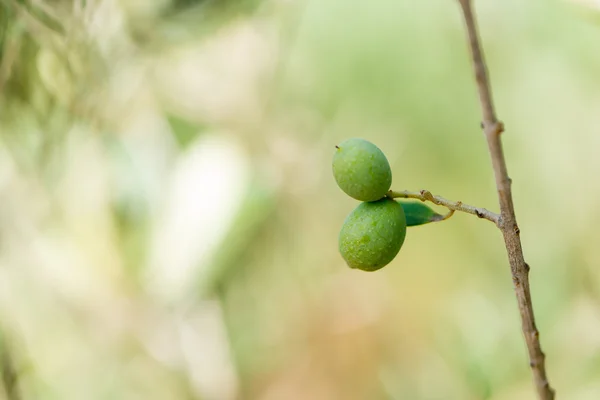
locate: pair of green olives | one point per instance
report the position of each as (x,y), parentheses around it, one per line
(373,232)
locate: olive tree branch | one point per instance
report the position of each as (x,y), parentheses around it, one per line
(507,222)
(425,195)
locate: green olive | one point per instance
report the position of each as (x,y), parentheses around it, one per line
(361,170)
(373,234)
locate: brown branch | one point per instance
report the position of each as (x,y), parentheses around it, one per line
(425,195)
(508,223)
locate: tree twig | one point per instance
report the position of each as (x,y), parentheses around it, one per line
(507,223)
(425,195)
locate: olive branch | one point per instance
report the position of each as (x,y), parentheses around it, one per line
(425,195)
(506,221)
(374,232)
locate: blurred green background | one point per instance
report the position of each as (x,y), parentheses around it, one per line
(169,220)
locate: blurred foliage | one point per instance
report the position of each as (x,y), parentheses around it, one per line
(169,221)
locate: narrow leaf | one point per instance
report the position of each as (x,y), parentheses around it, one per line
(418,213)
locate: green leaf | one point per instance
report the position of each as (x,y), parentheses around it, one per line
(418,213)
(184,131)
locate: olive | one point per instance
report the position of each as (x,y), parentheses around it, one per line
(373,234)
(361,170)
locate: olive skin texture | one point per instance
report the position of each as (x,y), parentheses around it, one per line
(361,170)
(373,234)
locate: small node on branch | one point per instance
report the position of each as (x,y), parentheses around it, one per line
(499,127)
(427,195)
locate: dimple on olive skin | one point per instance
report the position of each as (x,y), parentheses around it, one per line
(361,170)
(373,234)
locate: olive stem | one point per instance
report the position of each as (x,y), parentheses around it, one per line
(492,129)
(425,195)
(447,216)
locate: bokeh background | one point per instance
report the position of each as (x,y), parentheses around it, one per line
(169,220)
